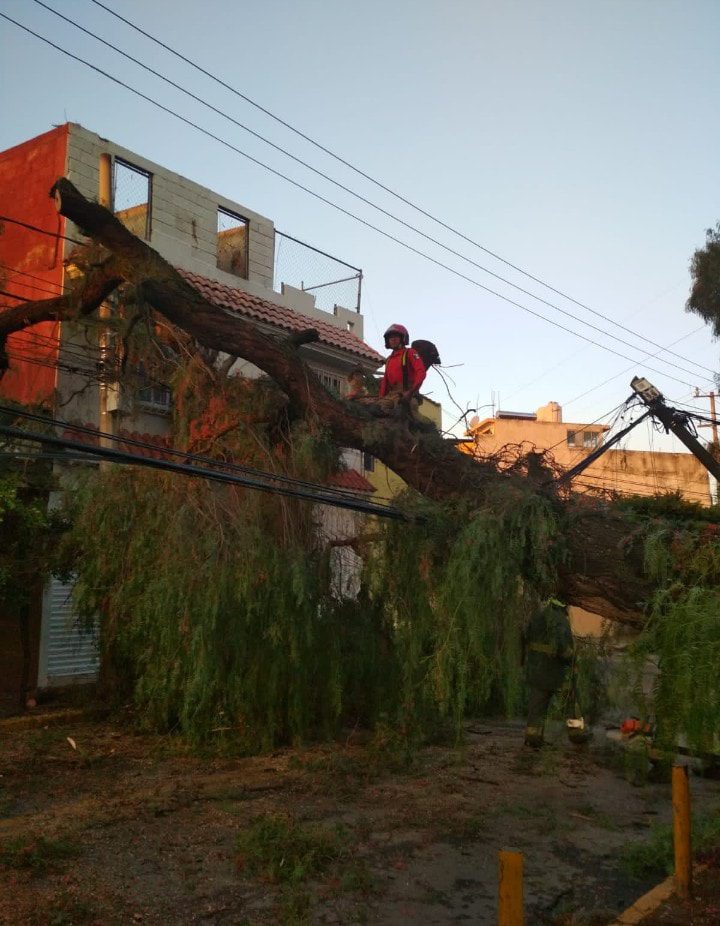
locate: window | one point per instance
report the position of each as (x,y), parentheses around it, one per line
(232,243)
(157,397)
(154,395)
(330,381)
(368,463)
(132,189)
(571,439)
(590,440)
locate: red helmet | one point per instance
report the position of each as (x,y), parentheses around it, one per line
(400,330)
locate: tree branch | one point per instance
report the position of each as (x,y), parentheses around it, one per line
(601,575)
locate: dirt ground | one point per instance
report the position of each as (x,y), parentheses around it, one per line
(99,825)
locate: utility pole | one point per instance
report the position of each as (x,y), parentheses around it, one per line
(709,395)
(675,421)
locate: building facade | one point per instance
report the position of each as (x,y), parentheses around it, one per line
(227,251)
(627,472)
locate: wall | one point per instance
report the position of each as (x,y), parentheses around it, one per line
(27,173)
(631,472)
(184,214)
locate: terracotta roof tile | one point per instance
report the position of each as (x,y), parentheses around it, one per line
(228,297)
(351,479)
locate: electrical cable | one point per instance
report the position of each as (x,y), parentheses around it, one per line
(40,289)
(333,205)
(32,276)
(184,455)
(28,225)
(16,282)
(596,421)
(636,484)
(362,198)
(360,172)
(336,500)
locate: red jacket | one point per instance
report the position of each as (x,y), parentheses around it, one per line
(403,358)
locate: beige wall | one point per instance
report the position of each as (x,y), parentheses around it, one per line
(630,472)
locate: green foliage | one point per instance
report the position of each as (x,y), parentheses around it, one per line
(212,606)
(653,857)
(670,506)
(704,296)
(218,614)
(454,592)
(30,532)
(682,633)
(281,850)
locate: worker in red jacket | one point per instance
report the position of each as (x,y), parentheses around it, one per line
(404,370)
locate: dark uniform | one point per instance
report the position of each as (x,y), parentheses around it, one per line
(549,653)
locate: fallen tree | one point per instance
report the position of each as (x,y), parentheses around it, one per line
(601,568)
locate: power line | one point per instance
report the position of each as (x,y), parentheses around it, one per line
(336,206)
(596,421)
(637,484)
(47,292)
(361,173)
(28,225)
(326,497)
(169,451)
(626,371)
(362,198)
(33,285)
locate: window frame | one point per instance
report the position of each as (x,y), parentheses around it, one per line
(135,168)
(242,220)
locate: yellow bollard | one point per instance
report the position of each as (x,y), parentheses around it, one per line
(681,830)
(510,889)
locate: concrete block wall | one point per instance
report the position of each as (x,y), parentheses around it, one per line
(183,224)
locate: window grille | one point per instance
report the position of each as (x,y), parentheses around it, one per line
(330,381)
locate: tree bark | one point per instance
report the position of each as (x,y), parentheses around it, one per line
(602,575)
(93,288)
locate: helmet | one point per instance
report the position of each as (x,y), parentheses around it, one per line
(397,329)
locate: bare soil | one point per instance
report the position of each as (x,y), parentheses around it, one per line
(702,908)
(99,825)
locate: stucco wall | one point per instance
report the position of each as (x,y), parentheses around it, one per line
(631,472)
(27,172)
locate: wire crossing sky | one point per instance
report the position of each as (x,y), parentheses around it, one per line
(575,140)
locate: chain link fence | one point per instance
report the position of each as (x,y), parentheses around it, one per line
(332,281)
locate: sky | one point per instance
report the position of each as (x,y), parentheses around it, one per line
(576,139)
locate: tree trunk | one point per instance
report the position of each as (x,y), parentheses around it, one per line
(601,575)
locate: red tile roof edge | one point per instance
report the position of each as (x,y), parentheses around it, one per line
(351,479)
(229,297)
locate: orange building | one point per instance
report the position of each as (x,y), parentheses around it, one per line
(628,472)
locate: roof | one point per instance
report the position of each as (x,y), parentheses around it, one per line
(528,416)
(237,300)
(351,479)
